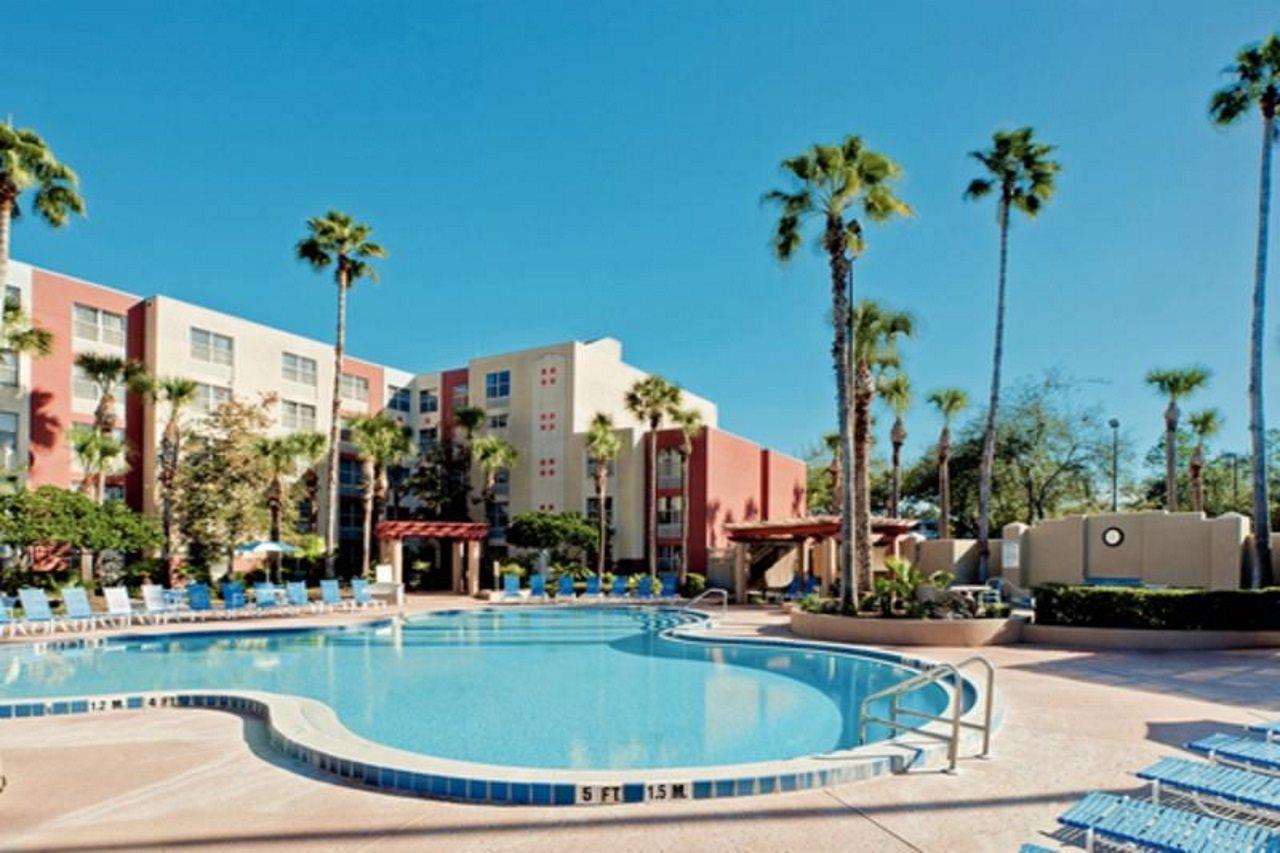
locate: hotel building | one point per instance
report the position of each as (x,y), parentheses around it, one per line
(541,400)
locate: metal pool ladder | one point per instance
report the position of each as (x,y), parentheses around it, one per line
(934,675)
(715,590)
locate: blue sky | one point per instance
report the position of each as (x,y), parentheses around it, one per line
(543,172)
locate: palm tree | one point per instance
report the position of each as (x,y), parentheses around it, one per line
(469,419)
(875,333)
(280,453)
(337,239)
(650,400)
(896,391)
(98,455)
(831,442)
(380,442)
(1020,171)
(493,454)
(27,163)
(1204,425)
(110,373)
(689,422)
(19,334)
(312,448)
(1256,83)
(1176,385)
(177,393)
(837,184)
(603,446)
(949,402)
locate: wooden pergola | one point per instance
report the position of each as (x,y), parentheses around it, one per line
(465,537)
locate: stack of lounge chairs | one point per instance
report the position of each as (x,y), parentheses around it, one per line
(160,606)
(1231,802)
(564,591)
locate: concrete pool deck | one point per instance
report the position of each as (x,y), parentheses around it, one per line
(196,779)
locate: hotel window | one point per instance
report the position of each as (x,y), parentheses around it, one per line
(298,416)
(113,492)
(428,402)
(209,398)
(350,473)
(399,399)
(355,388)
(497,385)
(211,347)
(91,324)
(299,368)
(498,517)
(669,468)
(669,557)
(8,367)
(13,296)
(427,439)
(460,396)
(497,421)
(670,510)
(8,438)
(501,483)
(82,387)
(593,510)
(351,516)
(611,467)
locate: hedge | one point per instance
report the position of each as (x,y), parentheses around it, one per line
(1183,609)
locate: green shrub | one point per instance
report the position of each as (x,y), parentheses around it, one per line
(694,585)
(1183,609)
(514,569)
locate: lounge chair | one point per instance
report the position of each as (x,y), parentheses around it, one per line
(157,609)
(119,607)
(564,588)
(75,601)
(233,603)
(296,594)
(593,588)
(7,620)
(331,596)
(36,610)
(670,587)
(1240,751)
(266,597)
(510,587)
(1124,821)
(1271,730)
(199,601)
(619,588)
(1247,791)
(537,587)
(644,588)
(362,595)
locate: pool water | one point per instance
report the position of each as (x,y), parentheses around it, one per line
(595,687)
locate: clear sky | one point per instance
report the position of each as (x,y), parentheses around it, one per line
(542,172)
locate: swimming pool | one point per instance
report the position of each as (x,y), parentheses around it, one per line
(556,688)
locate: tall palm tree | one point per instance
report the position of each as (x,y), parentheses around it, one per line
(281,455)
(949,402)
(19,334)
(831,443)
(838,184)
(99,455)
(380,442)
(896,391)
(603,446)
(469,419)
(651,400)
(177,393)
(1176,385)
(1020,172)
(313,447)
(111,373)
(689,422)
(1256,84)
(1204,425)
(493,454)
(28,164)
(338,240)
(875,333)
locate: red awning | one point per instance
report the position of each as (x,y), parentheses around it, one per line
(468,530)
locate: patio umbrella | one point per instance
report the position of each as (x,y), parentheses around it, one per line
(266,546)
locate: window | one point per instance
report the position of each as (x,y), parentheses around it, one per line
(427,438)
(498,517)
(593,510)
(461,394)
(211,347)
(355,388)
(350,473)
(13,296)
(501,483)
(428,402)
(113,492)
(8,439)
(209,398)
(8,368)
(669,468)
(399,399)
(82,387)
(497,421)
(91,324)
(298,368)
(497,386)
(670,510)
(611,468)
(670,557)
(298,416)
(350,516)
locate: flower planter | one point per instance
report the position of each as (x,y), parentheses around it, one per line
(878,631)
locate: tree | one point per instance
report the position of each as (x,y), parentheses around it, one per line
(896,391)
(493,454)
(28,164)
(1176,385)
(110,373)
(99,455)
(457,467)
(875,333)
(19,334)
(337,240)
(551,531)
(949,402)
(1204,425)
(837,184)
(1255,84)
(312,449)
(603,447)
(689,422)
(651,400)
(282,455)
(380,443)
(177,393)
(1018,168)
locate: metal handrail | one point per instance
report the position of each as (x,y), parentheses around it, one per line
(933,675)
(715,590)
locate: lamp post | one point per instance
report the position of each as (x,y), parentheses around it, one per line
(1114,423)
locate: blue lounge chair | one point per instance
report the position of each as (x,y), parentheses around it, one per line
(670,587)
(36,610)
(593,588)
(537,586)
(233,598)
(1271,730)
(266,596)
(362,594)
(644,588)
(7,619)
(564,589)
(295,593)
(79,612)
(619,588)
(510,586)
(1241,788)
(199,600)
(1231,749)
(1124,821)
(331,596)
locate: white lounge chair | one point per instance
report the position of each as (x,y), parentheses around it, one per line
(119,607)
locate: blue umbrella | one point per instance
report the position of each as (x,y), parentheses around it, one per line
(266,546)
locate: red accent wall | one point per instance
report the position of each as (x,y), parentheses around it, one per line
(783,486)
(449,380)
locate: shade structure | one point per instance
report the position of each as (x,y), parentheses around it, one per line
(266,546)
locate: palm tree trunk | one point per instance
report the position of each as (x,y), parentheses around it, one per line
(277,494)
(651,520)
(944,484)
(168,472)
(1195,473)
(683,569)
(331,484)
(864,391)
(895,493)
(1171,457)
(602,475)
(1262,571)
(988,464)
(366,529)
(6,217)
(841,290)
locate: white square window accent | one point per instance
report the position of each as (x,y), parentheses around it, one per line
(355,388)
(210,397)
(298,368)
(211,347)
(93,324)
(8,368)
(299,416)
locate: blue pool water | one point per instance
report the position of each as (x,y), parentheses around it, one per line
(557,688)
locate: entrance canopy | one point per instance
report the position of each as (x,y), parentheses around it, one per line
(468,531)
(465,536)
